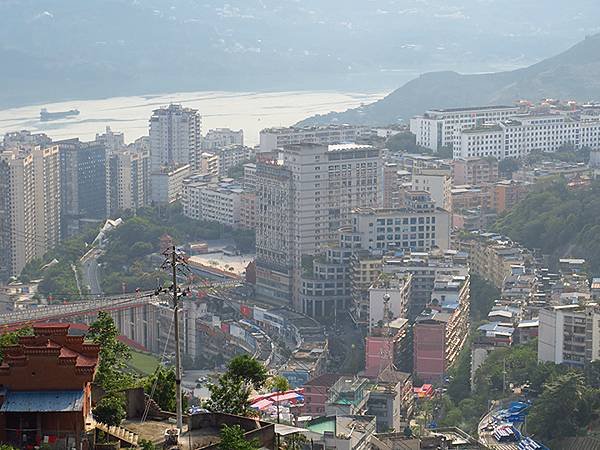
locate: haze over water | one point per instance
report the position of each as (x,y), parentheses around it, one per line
(250,111)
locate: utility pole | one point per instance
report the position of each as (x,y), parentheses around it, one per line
(173,260)
(179,405)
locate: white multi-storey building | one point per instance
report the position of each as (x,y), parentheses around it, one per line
(521,135)
(29,206)
(438,182)
(209,163)
(167,185)
(175,137)
(569,334)
(222,137)
(393,289)
(275,138)
(129,180)
(419,226)
(214,202)
(436,128)
(324,184)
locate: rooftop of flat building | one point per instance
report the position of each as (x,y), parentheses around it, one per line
(472,108)
(343,426)
(309,128)
(433,316)
(482,129)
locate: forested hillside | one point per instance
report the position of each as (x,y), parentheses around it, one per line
(559,221)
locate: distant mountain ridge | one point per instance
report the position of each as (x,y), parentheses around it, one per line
(573,74)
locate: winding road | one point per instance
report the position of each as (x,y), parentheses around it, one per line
(89,265)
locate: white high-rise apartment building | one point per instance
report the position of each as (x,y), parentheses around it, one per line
(523,134)
(436,128)
(175,137)
(276,138)
(29,206)
(324,184)
(129,180)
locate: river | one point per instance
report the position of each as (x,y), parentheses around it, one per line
(250,111)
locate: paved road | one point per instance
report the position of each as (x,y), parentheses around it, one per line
(486,437)
(90,272)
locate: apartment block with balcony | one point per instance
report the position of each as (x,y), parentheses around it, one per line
(440,331)
(391,400)
(167,185)
(438,182)
(420,226)
(175,138)
(348,396)
(424,268)
(218,138)
(213,201)
(276,138)
(30,206)
(324,184)
(474,171)
(365,268)
(569,334)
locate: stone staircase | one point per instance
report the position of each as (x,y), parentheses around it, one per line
(120,433)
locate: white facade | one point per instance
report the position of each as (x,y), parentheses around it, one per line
(175,137)
(437,127)
(397,287)
(29,206)
(250,176)
(323,184)
(569,334)
(212,202)
(209,163)
(275,138)
(329,181)
(167,186)
(129,180)
(521,135)
(222,137)
(437,182)
(410,228)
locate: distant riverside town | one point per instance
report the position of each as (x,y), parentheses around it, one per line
(379,271)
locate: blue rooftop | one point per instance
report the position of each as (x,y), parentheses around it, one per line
(42,401)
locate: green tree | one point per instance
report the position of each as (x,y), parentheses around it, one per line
(161,385)
(564,406)
(483,296)
(279,383)
(247,369)
(113,354)
(232,438)
(110,410)
(12,338)
(405,142)
(229,395)
(294,441)
(146,444)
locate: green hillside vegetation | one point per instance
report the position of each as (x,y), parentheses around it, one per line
(126,263)
(559,221)
(58,278)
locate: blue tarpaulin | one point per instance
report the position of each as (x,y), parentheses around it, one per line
(42,401)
